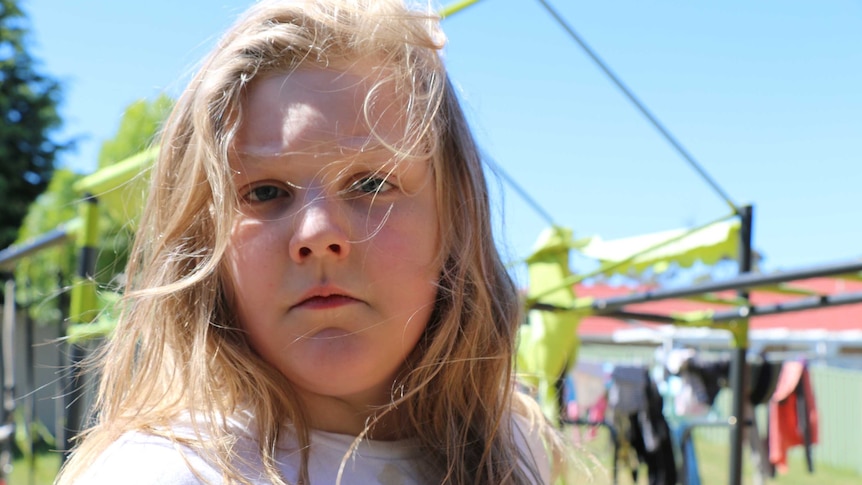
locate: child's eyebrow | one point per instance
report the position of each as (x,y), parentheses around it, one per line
(377,156)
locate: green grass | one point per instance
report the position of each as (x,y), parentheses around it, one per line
(39,472)
(714,471)
(595,461)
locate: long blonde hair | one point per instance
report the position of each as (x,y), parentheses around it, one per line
(178,349)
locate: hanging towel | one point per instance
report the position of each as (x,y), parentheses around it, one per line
(792,415)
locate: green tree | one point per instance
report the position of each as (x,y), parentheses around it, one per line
(138,128)
(28,119)
(137,131)
(44,276)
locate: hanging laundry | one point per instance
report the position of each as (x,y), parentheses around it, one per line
(643,434)
(792,415)
(700,381)
(689,469)
(586,393)
(596,414)
(714,376)
(590,381)
(764,379)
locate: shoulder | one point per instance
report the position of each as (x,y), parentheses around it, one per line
(142,459)
(530,436)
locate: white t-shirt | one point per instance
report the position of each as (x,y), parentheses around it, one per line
(143,459)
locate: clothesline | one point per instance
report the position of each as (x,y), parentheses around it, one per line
(651,409)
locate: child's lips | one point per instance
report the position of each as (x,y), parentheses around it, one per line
(323,298)
(322,302)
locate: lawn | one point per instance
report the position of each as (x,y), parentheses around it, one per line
(44,469)
(714,471)
(595,461)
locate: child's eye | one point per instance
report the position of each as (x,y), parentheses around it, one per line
(265,193)
(370,185)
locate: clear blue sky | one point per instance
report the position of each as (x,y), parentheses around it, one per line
(766,95)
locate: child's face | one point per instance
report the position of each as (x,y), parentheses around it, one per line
(333,258)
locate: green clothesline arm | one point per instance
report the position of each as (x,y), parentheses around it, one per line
(574,279)
(84,300)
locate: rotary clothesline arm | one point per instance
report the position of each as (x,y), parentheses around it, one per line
(612,265)
(734,320)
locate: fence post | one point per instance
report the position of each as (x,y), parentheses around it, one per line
(7,428)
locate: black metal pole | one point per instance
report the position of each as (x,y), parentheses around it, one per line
(738,373)
(615,306)
(30,390)
(7,424)
(61,430)
(803,304)
(75,406)
(11,254)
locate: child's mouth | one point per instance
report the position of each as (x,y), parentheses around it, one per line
(325,302)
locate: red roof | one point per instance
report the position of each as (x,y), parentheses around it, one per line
(835,318)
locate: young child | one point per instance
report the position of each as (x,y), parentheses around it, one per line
(314,295)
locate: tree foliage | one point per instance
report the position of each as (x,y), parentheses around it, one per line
(137,131)
(138,128)
(43,277)
(46,275)
(28,119)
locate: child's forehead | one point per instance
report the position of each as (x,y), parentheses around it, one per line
(313,109)
(338,158)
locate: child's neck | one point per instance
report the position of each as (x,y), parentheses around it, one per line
(351,417)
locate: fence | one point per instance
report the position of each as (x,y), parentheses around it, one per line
(39,369)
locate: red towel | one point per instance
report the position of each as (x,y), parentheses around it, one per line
(786,427)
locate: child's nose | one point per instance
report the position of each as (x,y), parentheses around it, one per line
(320,232)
